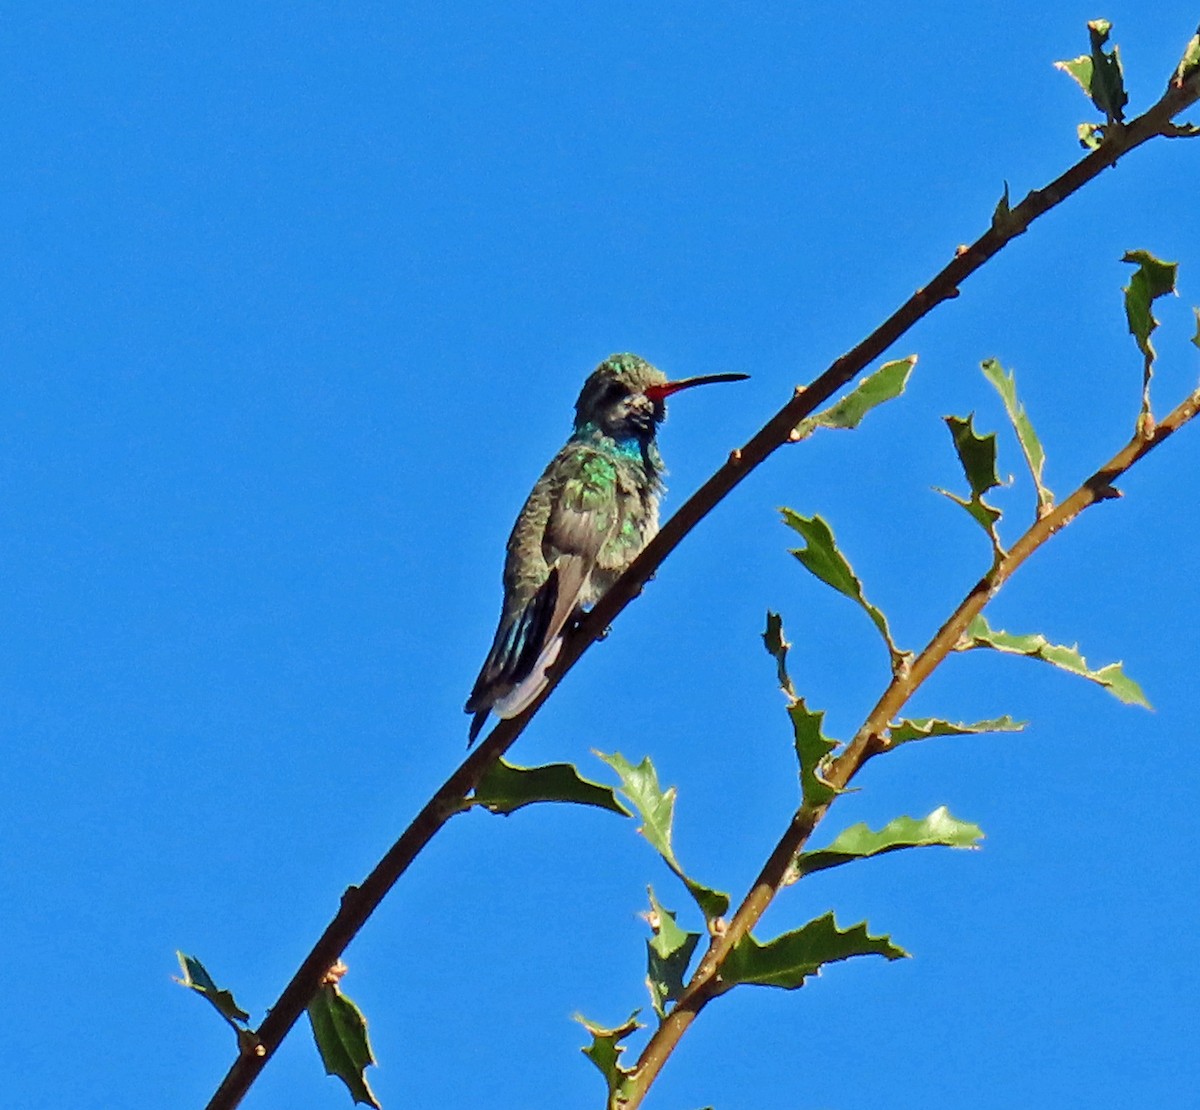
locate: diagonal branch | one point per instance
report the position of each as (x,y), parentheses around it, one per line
(359,902)
(872,739)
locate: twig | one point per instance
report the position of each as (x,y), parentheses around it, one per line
(360,902)
(870,740)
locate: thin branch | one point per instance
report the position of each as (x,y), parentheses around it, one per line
(358,903)
(870,740)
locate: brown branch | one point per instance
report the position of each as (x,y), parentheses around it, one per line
(872,739)
(358,903)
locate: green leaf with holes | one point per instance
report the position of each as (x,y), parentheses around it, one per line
(606,1049)
(505,788)
(668,953)
(977,456)
(885,384)
(1112,677)
(656,807)
(197,978)
(821,557)
(1031,447)
(777,646)
(924,728)
(859,842)
(790,959)
(340,1031)
(1099,72)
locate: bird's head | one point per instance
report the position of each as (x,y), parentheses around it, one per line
(625,397)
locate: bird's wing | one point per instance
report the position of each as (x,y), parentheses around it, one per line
(551,553)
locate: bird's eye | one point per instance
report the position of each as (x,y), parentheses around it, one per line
(613,392)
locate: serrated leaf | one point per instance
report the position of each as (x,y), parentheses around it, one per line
(340,1031)
(813,748)
(656,807)
(197,978)
(788,960)
(822,558)
(859,842)
(777,646)
(886,384)
(1031,447)
(924,728)
(606,1049)
(977,455)
(1152,279)
(505,788)
(668,954)
(1190,62)
(1099,73)
(1112,677)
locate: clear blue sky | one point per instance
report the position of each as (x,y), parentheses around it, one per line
(296,300)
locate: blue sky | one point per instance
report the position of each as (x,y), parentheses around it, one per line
(296,303)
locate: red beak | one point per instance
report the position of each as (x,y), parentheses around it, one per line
(659,392)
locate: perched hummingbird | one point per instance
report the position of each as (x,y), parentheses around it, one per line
(590,513)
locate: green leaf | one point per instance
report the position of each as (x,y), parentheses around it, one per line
(777,646)
(656,807)
(1091,135)
(1190,62)
(822,558)
(197,978)
(1036,646)
(340,1031)
(668,953)
(813,748)
(788,960)
(606,1049)
(977,454)
(1099,73)
(1031,446)
(1196,337)
(505,788)
(885,384)
(1152,279)
(859,842)
(923,728)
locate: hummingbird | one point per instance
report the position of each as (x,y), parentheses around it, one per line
(588,516)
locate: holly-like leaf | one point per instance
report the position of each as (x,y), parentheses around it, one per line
(1031,447)
(885,384)
(340,1031)
(821,557)
(1099,73)
(197,978)
(668,953)
(656,807)
(813,749)
(977,454)
(777,646)
(923,728)
(859,842)
(1152,279)
(505,788)
(1190,62)
(1036,646)
(788,960)
(606,1049)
